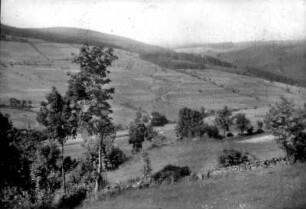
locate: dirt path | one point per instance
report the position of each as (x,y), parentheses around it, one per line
(259,139)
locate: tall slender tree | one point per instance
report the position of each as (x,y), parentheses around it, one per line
(224,120)
(90,92)
(60,120)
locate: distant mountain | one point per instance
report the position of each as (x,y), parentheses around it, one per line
(80,36)
(283,61)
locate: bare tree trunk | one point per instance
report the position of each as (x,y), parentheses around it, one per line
(63,170)
(99,179)
(99,170)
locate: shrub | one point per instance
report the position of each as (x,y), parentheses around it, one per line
(69,164)
(232,157)
(115,158)
(229,134)
(259,127)
(250,130)
(158,119)
(170,173)
(212,131)
(74,198)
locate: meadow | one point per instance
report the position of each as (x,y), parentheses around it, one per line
(30,69)
(275,188)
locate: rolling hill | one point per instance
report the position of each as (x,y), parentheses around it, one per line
(158,55)
(144,76)
(79,36)
(283,61)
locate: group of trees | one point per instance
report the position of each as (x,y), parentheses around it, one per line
(83,109)
(225,120)
(175,60)
(191,123)
(286,121)
(20,104)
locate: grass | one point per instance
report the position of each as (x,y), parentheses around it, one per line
(29,70)
(199,155)
(273,188)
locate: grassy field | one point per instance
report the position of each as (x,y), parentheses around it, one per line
(29,70)
(273,188)
(200,155)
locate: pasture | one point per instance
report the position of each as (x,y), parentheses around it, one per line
(29,70)
(272,188)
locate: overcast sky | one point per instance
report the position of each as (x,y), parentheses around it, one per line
(165,22)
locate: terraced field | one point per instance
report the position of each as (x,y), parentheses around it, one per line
(29,70)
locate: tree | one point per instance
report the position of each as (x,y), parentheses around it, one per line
(89,90)
(189,122)
(241,122)
(138,133)
(17,153)
(223,119)
(29,104)
(147,168)
(24,104)
(259,126)
(140,130)
(288,124)
(60,120)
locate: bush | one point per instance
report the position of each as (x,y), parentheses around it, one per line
(250,130)
(69,164)
(115,158)
(170,173)
(158,119)
(229,134)
(232,157)
(73,198)
(259,127)
(212,131)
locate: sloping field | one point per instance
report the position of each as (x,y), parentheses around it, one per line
(29,70)
(273,188)
(199,155)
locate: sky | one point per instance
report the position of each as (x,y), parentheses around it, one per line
(167,22)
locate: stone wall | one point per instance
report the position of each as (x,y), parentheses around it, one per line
(220,172)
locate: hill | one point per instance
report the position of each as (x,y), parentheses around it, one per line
(158,55)
(79,36)
(29,70)
(283,61)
